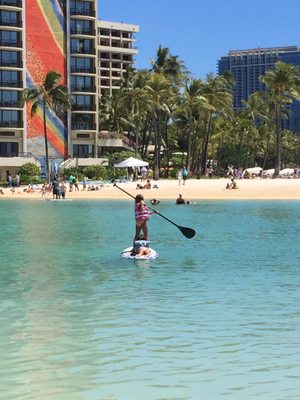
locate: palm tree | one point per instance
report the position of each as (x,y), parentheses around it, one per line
(283,85)
(50,95)
(161,94)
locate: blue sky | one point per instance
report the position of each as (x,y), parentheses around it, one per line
(201,31)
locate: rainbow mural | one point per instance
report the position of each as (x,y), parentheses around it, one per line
(45,51)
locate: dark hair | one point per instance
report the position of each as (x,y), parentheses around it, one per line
(138,198)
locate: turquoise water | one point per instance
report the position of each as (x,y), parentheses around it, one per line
(215,317)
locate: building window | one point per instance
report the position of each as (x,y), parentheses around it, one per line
(82,122)
(81,84)
(9,78)
(9,98)
(83,102)
(9,149)
(79,27)
(82,46)
(81,65)
(83,150)
(9,59)
(8,18)
(81,8)
(9,119)
(9,38)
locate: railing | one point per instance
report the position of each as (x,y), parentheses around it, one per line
(15,84)
(83,127)
(9,104)
(12,64)
(82,89)
(13,3)
(83,107)
(10,44)
(10,22)
(19,154)
(78,11)
(11,124)
(85,70)
(75,50)
(79,31)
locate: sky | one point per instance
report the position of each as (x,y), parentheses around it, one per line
(199,32)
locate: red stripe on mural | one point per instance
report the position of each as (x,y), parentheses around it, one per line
(42,40)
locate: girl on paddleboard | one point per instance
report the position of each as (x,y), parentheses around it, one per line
(141,214)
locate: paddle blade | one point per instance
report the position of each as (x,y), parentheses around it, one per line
(187,232)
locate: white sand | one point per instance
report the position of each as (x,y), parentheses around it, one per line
(195,189)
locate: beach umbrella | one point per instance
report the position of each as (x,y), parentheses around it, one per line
(287,172)
(268,173)
(254,170)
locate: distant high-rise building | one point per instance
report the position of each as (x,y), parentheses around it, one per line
(246,66)
(116,52)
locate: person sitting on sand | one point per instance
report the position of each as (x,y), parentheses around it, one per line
(147,186)
(232,184)
(1,191)
(180,199)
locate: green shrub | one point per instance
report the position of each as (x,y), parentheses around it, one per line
(29,173)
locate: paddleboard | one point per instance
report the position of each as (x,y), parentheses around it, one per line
(127,253)
(56,199)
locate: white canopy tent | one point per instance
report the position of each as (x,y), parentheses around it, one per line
(131,162)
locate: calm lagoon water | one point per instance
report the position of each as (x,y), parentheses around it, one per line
(215,317)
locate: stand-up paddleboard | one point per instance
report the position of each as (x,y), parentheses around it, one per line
(127,253)
(44,199)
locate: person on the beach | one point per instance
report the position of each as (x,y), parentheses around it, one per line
(141,214)
(180,199)
(232,184)
(146,186)
(179,176)
(76,183)
(184,175)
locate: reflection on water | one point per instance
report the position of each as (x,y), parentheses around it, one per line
(213,317)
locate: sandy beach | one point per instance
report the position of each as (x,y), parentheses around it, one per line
(195,189)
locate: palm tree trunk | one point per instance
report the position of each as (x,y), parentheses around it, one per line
(46,145)
(278,143)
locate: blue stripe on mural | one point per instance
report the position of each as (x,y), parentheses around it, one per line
(58,11)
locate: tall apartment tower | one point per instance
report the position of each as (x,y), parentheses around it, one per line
(37,37)
(247,66)
(116,52)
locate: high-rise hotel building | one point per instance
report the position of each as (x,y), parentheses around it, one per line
(35,38)
(247,66)
(116,52)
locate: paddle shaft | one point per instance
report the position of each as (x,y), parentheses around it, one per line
(188,232)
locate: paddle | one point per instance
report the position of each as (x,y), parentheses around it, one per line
(187,232)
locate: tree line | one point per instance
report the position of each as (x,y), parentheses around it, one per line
(166,107)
